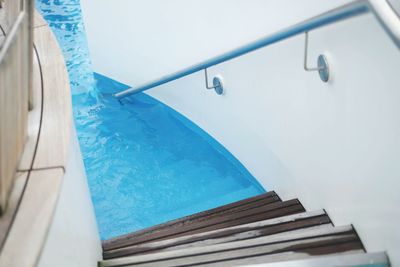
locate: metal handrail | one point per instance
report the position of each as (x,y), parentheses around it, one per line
(382,10)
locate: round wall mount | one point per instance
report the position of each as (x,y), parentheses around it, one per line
(323,68)
(218,86)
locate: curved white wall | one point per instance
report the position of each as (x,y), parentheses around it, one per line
(73,239)
(156,37)
(335,146)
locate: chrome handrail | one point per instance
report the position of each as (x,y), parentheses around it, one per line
(382,10)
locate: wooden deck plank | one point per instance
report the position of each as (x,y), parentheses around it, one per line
(302,248)
(311,241)
(15,196)
(252,230)
(336,248)
(38,20)
(30,225)
(14,86)
(57,110)
(34,116)
(3,22)
(28,231)
(268,197)
(268,211)
(243,227)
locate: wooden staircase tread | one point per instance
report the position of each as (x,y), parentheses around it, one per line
(268,211)
(318,240)
(343,259)
(261,229)
(269,197)
(329,249)
(235,233)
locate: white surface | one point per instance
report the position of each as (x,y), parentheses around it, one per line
(335,145)
(158,37)
(396,5)
(73,240)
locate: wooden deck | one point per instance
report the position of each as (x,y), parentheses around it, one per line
(24,226)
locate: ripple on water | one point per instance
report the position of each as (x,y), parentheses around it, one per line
(145,163)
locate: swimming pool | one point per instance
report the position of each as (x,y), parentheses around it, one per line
(145,163)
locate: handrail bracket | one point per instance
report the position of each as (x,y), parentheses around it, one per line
(322,63)
(217,83)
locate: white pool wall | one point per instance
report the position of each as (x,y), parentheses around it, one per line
(73,239)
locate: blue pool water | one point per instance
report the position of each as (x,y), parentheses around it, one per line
(145,163)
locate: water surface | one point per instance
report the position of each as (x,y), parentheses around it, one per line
(145,163)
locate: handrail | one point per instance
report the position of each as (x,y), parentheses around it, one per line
(380,8)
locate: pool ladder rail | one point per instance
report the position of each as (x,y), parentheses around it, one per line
(381,9)
(257,230)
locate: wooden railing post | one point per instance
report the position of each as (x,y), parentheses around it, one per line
(15,76)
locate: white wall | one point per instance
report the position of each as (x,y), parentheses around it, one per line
(156,37)
(335,146)
(73,239)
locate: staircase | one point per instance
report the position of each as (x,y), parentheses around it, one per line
(258,230)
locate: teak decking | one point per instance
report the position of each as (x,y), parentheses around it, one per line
(25,224)
(260,229)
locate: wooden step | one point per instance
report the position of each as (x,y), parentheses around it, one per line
(269,197)
(313,241)
(235,233)
(254,214)
(354,259)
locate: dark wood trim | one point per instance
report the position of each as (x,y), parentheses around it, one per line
(312,249)
(268,197)
(268,211)
(322,244)
(240,233)
(218,237)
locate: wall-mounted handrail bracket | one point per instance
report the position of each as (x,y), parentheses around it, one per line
(322,62)
(217,83)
